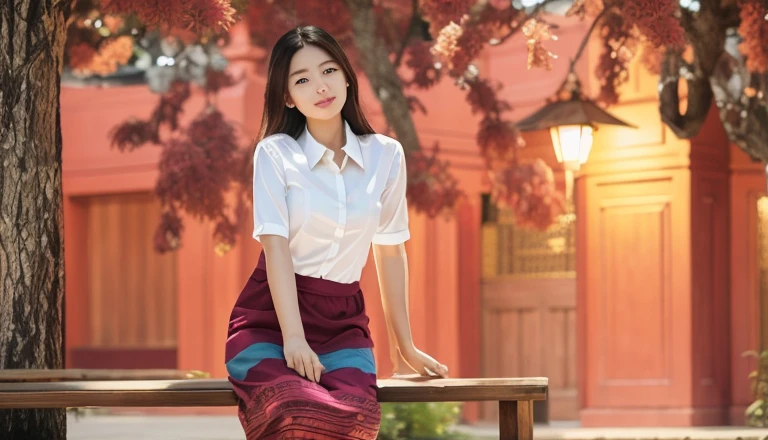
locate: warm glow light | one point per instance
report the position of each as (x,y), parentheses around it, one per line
(572,144)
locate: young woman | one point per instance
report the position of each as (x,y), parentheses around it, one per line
(325,188)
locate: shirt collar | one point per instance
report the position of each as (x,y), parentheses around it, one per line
(314,150)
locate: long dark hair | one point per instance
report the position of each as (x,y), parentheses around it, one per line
(278,118)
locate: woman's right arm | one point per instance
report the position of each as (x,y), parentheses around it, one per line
(270,217)
(282,283)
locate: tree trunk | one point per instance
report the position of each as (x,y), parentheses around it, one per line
(32,35)
(381,73)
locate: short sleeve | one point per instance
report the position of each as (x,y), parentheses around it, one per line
(270,208)
(393,222)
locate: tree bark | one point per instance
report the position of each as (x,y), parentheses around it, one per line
(32,36)
(381,73)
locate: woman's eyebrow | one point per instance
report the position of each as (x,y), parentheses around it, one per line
(300,71)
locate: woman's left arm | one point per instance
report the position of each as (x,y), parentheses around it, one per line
(392,268)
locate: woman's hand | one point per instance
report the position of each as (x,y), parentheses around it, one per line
(301,358)
(423,363)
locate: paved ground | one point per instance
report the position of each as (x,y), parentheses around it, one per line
(134,427)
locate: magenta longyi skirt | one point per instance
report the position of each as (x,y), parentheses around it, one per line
(277,403)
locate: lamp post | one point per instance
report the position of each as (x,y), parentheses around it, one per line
(571,119)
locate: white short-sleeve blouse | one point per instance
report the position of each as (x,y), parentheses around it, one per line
(330,215)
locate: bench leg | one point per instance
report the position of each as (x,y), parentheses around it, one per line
(516,420)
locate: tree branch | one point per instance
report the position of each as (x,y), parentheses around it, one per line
(381,73)
(414,22)
(584,42)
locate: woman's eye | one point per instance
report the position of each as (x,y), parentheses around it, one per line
(302,81)
(330,70)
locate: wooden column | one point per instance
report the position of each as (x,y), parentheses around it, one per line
(653,240)
(748,184)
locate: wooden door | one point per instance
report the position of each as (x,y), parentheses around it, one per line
(131,288)
(528,308)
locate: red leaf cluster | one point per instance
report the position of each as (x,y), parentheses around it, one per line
(483,97)
(193,15)
(225,235)
(529,191)
(168,233)
(499,141)
(656,20)
(268,20)
(619,42)
(133,134)
(196,167)
(470,43)
(651,57)
(446,45)
(196,173)
(84,59)
(585,8)
(440,13)
(422,64)
(536,33)
(217,80)
(754,33)
(432,189)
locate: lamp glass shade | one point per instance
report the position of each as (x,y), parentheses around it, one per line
(572,144)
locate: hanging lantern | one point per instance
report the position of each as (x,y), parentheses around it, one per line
(571,118)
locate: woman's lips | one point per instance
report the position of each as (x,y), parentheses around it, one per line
(325,102)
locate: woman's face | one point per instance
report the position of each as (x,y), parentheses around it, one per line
(316,84)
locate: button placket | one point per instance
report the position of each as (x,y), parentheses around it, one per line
(338,234)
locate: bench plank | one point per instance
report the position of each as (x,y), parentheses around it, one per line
(42,375)
(90,393)
(515,396)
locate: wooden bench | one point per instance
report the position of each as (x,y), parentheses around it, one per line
(58,390)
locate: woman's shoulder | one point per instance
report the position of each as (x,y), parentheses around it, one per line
(276,145)
(276,140)
(381,141)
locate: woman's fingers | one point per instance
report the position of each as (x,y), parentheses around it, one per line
(307,361)
(317,366)
(299,363)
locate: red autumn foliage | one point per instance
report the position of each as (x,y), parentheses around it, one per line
(754,31)
(656,20)
(194,15)
(430,187)
(619,40)
(529,190)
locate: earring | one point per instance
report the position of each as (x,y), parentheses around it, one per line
(289,105)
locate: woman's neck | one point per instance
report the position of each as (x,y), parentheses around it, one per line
(329,133)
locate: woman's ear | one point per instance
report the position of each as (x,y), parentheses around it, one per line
(289,102)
